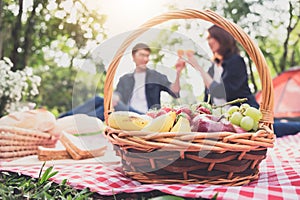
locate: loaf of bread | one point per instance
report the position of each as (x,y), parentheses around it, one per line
(39,119)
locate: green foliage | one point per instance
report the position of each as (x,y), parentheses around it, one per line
(16,186)
(57,90)
(236,9)
(44,24)
(52,37)
(275,26)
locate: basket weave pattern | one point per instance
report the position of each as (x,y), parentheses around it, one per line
(214,158)
(19,142)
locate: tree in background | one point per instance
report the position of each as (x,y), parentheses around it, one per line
(32,29)
(281,45)
(273,24)
(54,37)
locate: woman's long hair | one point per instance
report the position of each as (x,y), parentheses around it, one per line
(227,43)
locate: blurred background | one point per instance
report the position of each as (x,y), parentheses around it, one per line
(45,44)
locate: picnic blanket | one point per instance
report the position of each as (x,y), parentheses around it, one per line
(279,177)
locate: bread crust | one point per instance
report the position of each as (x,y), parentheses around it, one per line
(72,145)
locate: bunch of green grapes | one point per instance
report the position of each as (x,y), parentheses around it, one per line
(245,116)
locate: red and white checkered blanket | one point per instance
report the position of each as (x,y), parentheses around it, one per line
(279,178)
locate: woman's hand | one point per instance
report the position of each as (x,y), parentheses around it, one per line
(180,65)
(192,60)
(205,76)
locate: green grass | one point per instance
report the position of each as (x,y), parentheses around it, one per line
(18,186)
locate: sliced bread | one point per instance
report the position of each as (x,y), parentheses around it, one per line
(78,150)
(59,152)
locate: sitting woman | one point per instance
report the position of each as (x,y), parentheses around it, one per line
(227,78)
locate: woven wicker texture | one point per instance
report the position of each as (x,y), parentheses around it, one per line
(214,158)
(18,142)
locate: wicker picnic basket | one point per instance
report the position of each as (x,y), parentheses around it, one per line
(19,142)
(206,158)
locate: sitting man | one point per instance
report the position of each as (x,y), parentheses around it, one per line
(137,91)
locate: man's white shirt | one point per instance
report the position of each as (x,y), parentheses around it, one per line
(138,100)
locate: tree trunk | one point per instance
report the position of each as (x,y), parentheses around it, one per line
(271,58)
(293,60)
(275,67)
(3,104)
(28,35)
(1,29)
(16,38)
(290,28)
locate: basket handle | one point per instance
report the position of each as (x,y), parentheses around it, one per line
(251,48)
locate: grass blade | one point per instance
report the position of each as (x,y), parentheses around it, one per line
(40,173)
(45,175)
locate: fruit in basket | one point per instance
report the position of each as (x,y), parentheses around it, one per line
(203,117)
(186,111)
(254,113)
(151,113)
(155,113)
(243,107)
(247,123)
(128,121)
(183,109)
(162,123)
(245,116)
(236,118)
(209,123)
(188,117)
(182,125)
(204,108)
(232,109)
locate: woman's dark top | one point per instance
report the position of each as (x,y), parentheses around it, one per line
(234,82)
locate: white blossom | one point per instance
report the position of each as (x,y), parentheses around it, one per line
(15,85)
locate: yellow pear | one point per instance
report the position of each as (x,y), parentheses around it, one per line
(182,125)
(162,123)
